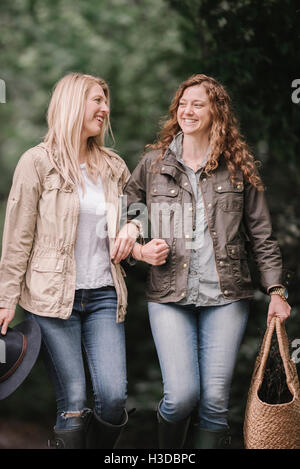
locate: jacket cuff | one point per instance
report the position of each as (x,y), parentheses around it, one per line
(275,285)
(271,278)
(8,304)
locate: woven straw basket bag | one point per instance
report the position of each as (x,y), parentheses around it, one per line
(273,426)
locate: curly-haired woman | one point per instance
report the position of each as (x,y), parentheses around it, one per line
(206,203)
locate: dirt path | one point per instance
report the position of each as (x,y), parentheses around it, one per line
(16,434)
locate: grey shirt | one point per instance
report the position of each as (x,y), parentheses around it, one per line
(203,287)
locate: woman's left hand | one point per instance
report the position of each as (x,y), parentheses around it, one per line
(124,242)
(279,308)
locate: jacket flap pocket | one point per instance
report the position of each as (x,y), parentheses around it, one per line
(169,170)
(165,191)
(48,264)
(227,186)
(236,251)
(52,181)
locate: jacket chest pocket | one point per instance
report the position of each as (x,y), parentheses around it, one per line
(166,211)
(230,196)
(164,192)
(56,199)
(164,186)
(53,182)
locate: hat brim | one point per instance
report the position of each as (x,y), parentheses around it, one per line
(31,330)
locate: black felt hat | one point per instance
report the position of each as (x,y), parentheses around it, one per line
(19,349)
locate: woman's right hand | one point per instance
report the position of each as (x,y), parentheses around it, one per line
(155,252)
(6,316)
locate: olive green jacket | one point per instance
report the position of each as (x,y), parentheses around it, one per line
(237,217)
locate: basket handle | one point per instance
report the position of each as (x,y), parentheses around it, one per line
(283,349)
(289,366)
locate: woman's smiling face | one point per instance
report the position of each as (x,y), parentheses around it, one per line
(96,111)
(194,112)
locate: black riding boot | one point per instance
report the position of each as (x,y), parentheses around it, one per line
(73,438)
(172,435)
(104,435)
(212,439)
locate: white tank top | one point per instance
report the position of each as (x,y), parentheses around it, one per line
(92,245)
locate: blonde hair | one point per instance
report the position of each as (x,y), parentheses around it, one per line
(65,119)
(225,137)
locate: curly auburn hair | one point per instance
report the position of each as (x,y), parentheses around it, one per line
(225,137)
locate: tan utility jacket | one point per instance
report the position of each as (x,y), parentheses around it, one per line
(37,268)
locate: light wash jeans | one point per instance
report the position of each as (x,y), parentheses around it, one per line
(92,327)
(197,349)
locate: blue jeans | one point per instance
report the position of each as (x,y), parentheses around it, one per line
(91,328)
(197,349)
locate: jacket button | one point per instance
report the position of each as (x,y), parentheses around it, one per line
(184,266)
(226,292)
(204,179)
(172,191)
(232,251)
(219,188)
(187,235)
(209,205)
(221,263)
(185,184)
(214,233)
(182,294)
(154,190)
(163,168)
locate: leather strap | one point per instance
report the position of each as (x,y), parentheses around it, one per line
(17,363)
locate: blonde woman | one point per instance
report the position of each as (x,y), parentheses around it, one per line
(60,226)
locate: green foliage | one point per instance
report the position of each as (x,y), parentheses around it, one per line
(132,45)
(250,46)
(144,49)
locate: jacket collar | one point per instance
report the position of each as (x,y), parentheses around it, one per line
(176,145)
(173,154)
(111,158)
